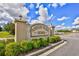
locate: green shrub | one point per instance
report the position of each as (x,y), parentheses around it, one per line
(48,39)
(45,42)
(9,41)
(58,38)
(51,40)
(26,46)
(2,41)
(2,49)
(55,38)
(15,48)
(36,43)
(12,49)
(41,41)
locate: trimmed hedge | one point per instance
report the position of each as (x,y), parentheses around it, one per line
(9,41)
(2,49)
(55,39)
(50,39)
(2,41)
(45,42)
(36,43)
(26,46)
(12,49)
(16,48)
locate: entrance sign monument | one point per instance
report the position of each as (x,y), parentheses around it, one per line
(24,30)
(39,29)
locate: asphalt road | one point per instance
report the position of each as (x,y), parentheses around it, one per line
(69,49)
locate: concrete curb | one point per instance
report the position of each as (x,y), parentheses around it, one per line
(52,49)
(38,52)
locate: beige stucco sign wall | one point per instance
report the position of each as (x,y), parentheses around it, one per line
(39,29)
(24,30)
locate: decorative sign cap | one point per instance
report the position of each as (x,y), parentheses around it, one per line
(20,16)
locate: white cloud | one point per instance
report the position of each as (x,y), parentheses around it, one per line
(6,15)
(38,4)
(9,11)
(24,11)
(73,26)
(60,27)
(43,12)
(3,22)
(77,26)
(41,18)
(36,12)
(14,9)
(49,18)
(36,21)
(63,24)
(31,6)
(55,5)
(62,18)
(62,4)
(76,21)
(49,5)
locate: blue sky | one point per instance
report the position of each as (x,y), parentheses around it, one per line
(68,11)
(61,15)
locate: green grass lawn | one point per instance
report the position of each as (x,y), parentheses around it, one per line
(4,34)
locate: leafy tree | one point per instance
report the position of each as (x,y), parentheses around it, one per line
(0,28)
(63,31)
(10,27)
